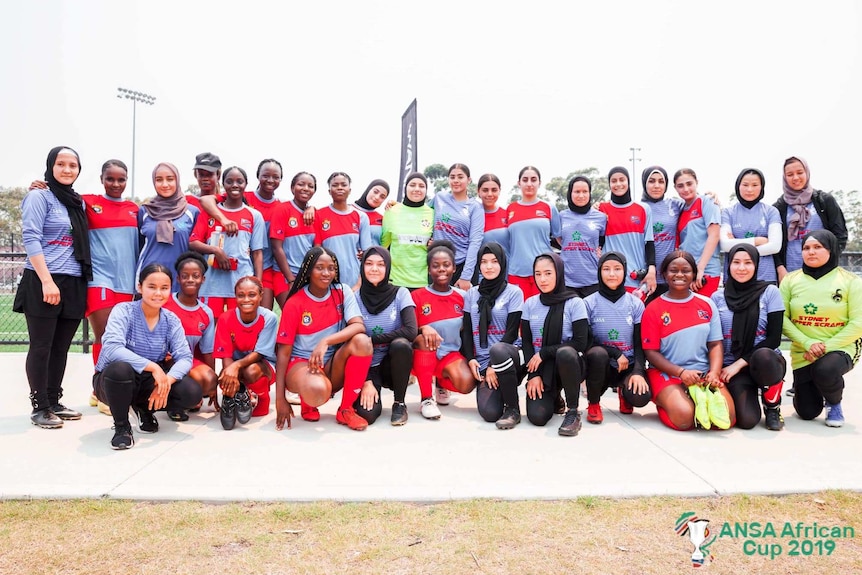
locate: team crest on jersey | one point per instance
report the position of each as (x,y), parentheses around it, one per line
(244,223)
(426,309)
(210,222)
(292,222)
(425,224)
(657,227)
(702,314)
(355,227)
(325,225)
(306,318)
(665,318)
(613,335)
(541,214)
(511,215)
(458,308)
(201,326)
(636,220)
(576,236)
(97,208)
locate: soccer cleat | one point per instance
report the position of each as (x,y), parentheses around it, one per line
(399,414)
(834,415)
(94,401)
(45,419)
(178,415)
(429,409)
(625,406)
(510,418)
(347,416)
(147,421)
(243,406)
(594,413)
(698,395)
(64,412)
(227,415)
(571,423)
(791,391)
(123,438)
(309,413)
(559,404)
(442,395)
(774,421)
(719,411)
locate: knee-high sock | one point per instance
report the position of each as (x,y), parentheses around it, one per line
(97,349)
(424,364)
(355,370)
(772,395)
(261,388)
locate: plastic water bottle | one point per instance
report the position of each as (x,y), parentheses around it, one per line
(216,240)
(642,292)
(638,275)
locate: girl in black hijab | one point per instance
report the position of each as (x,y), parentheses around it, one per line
(555,332)
(823,319)
(389,315)
(751,313)
(616,358)
(52,293)
(582,237)
(492,314)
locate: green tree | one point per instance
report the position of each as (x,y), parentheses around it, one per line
(10,218)
(851,205)
(438,180)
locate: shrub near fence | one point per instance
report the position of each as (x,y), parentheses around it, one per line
(13,328)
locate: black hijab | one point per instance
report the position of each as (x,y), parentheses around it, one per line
(743,299)
(585,208)
(490,290)
(552,330)
(612,295)
(830,242)
(407,201)
(377,298)
(742,174)
(75,207)
(648,171)
(627,197)
(362,202)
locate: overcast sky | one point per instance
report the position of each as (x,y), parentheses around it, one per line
(321,86)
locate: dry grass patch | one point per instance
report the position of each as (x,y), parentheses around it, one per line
(584,536)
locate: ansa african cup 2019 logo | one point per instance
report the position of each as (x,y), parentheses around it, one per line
(698,533)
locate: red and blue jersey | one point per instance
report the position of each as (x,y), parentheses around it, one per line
(681,329)
(531,227)
(770,301)
(460,222)
(665,215)
(236,339)
(198,325)
(113,242)
(267,209)
(296,238)
(693,226)
(444,311)
(613,323)
(306,319)
(375,223)
(345,233)
(580,245)
(629,228)
(497,228)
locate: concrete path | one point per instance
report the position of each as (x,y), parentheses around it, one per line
(457,457)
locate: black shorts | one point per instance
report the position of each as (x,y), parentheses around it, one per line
(73,297)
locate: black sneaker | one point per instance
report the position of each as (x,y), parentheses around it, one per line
(399,413)
(791,391)
(228,413)
(147,421)
(123,438)
(46,419)
(559,404)
(510,418)
(64,412)
(178,415)
(243,406)
(774,421)
(571,423)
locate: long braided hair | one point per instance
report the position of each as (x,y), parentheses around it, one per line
(303,276)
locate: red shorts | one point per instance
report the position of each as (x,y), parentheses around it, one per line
(658,380)
(219,305)
(442,380)
(279,283)
(103,298)
(197,363)
(266,280)
(527,285)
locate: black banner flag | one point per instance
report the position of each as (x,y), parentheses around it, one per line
(409,159)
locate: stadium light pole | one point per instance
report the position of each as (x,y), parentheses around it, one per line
(135,97)
(633,183)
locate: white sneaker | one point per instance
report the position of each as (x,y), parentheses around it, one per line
(293,398)
(429,409)
(443,395)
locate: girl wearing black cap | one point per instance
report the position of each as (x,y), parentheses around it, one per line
(751,313)
(372,198)
(629,230)
(555,332)
(406,231)
(52,293)
(665,215)
(492,314)
(389,315)
(752,222)
(583,236)
(616,357)
(823,319)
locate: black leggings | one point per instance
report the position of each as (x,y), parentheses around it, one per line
(123,387)
(765,369)
(506,362)
(818,381)
(50,338)
(600,376)
(569,367)
(393,373)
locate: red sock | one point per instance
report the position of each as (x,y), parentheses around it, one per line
(97,349)
(424,364)
(446,383)
(261,388)
(772,394)
(355,372)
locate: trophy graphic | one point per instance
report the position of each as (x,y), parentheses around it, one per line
(697,533)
